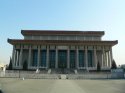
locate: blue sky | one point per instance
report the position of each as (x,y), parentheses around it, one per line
(104,15)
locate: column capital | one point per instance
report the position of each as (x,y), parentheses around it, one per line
(76,47)
(94,48)
(21,46)
(103,47)
(86,47)
(30,47)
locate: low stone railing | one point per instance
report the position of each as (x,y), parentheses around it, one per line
(34,75)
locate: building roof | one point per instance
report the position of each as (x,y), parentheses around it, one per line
(60,42)
(60,32)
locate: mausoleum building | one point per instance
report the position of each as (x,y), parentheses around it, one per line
(62,49)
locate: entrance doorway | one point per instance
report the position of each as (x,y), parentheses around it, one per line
(52,58)
(62,59)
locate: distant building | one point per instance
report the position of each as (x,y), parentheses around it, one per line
(2,67)
(62,49)
(123,66)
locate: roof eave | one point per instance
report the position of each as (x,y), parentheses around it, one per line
(15,41)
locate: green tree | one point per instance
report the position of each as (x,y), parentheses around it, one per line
(98,67)
(114,66)
(10,67)
(25,65)
(1,91)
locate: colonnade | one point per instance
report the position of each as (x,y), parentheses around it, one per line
(105,59)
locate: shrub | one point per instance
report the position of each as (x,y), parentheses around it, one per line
(10,67)
(25,65)
(98,67)
(114,66)
(1,91)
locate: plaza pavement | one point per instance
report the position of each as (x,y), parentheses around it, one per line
(16,85)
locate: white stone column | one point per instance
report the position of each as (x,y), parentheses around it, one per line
(86,57)
(13,56)
(109,65)
(95,57)
(47,57)
(17,58)
(77,57)
(111,55)
(38,61)
(20,56)
(29,57)
(56,65)
(106,59)
(14,60)
(103,63)
(68,58)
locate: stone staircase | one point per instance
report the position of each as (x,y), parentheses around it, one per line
(62,71)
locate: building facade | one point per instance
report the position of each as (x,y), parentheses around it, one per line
(62,49)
